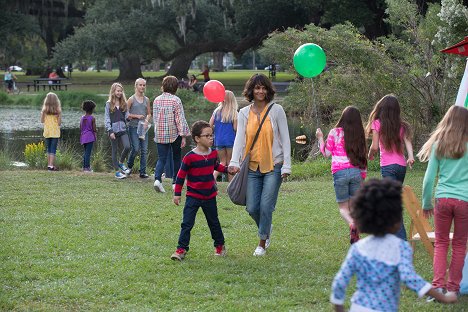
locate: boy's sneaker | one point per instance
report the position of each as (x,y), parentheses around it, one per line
(259,251)
(268,240)
(220,250)
(144,176)
(179,254)
(431,299)
(87,170)
(353,234)
(158,187)
(120,175)
(124,169)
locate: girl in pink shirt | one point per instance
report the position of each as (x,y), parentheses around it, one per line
(346,144)
(391,135)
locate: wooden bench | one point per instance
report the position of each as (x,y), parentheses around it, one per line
(55,86)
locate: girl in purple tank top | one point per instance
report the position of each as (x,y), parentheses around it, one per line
(88,133)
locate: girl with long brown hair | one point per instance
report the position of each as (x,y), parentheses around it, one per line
(391,135)
(346,144)
(447,153)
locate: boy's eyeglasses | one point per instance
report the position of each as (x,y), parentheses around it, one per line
(206,135)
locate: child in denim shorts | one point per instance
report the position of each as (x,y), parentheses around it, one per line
(346,144)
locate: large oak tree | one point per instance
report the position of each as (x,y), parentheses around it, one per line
(177,30)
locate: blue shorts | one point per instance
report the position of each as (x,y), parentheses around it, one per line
(220,147)
(346,183)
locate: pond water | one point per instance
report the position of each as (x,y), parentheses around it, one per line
(21,126)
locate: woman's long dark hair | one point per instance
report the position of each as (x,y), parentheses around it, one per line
(354,137)
(387,111)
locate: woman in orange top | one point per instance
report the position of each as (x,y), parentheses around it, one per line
(270,158)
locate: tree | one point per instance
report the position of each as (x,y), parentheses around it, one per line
(24,20)
(360,71)
(178,31)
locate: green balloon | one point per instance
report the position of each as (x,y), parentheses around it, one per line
(309,60)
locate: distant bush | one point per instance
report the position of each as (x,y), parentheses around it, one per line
(5,98)
(67,158)
(5,160)
(72,99)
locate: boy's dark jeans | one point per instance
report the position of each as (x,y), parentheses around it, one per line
(211,214)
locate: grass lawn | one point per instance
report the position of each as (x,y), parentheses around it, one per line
(73,241)
(100,82)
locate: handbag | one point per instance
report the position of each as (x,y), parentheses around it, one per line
(237,188)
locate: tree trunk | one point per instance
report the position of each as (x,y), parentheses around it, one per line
(181,64)
(218,61)
(109,64)
(130,67)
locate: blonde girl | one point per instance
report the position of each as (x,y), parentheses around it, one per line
(115,116)
(51,117)
(390,134)
(224,121)
(139,111)
(446,151)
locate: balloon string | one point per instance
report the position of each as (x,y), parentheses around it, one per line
(315,112)
(314,103)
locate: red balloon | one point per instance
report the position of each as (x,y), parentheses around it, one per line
(214,91)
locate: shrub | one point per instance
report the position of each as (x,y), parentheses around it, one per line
(5,160)
(34,155)
(99,160)
(66,158)
(194,101)
(72,99)
(5,98)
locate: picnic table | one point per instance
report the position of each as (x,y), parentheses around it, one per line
(52,83)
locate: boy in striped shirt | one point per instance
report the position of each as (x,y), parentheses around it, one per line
(198,167)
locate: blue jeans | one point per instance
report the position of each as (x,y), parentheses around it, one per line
(51,144)
(261,197)
(190,212)
(163,153)
(396,172)
(346,183)
(137,146)
(88,147)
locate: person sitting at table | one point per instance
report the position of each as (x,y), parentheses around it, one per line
(53,75)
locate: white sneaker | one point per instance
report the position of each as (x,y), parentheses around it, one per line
(268,240)
(120,175)
(124,169)
(158,187)
(259,251)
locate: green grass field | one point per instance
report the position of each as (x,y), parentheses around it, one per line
(76,242)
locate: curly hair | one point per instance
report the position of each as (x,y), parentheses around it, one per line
(376,207)
(258,80)
(88,106)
